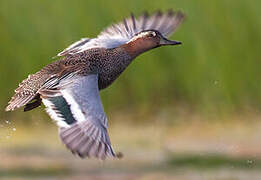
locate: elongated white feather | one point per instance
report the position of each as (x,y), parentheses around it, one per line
(73,47)
(75,108)
(54,114)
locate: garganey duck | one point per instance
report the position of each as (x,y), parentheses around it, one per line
(69,87)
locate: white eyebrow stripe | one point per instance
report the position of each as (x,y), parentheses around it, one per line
(142,34)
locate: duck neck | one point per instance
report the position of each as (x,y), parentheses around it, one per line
(137,47)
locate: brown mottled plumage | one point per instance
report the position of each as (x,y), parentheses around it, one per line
(69,87)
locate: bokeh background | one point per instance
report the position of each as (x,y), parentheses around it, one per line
(186,112)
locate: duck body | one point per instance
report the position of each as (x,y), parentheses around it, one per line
(69,87)
(107,63)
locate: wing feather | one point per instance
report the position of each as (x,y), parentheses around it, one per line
(157,21)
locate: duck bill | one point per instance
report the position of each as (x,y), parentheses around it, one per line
(165,41)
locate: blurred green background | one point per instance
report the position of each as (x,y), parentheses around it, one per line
(213,78)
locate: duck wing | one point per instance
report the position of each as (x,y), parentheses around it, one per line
(120,33)
(76,107)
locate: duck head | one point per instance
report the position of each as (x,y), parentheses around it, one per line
(146,40)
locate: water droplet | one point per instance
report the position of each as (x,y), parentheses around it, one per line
(250,161)
(14,129)
(216,82)
(7,122)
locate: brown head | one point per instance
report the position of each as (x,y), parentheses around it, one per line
(146,40)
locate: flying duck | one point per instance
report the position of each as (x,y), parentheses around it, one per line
(69,87)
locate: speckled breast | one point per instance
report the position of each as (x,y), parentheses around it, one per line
(112,63)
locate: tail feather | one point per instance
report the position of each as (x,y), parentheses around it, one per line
(19,100)
(26,91)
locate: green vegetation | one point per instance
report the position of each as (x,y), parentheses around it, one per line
(217,68)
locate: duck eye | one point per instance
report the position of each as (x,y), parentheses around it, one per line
(152,34)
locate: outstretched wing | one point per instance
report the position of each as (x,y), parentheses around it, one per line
(122,32)
(166,23)
(80,116)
